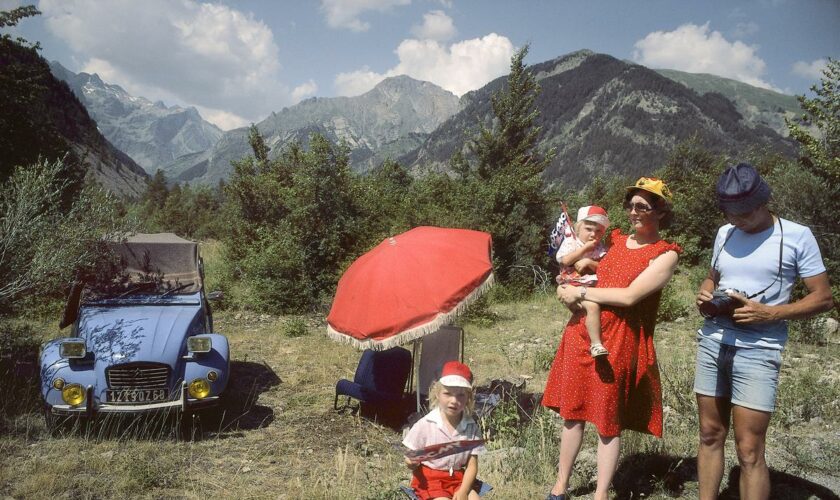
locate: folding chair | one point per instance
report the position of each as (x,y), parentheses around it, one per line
(380,378)
(446,344)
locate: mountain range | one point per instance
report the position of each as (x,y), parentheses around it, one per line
(42,119)
(607,117)
(601,115)
(152,134)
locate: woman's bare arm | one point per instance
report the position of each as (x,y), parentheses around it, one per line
(654,278)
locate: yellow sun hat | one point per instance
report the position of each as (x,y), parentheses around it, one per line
(653,185)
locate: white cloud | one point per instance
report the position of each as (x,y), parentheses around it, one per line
(207,55)
(458,68)
(436,26)
(345,13)
(223,119)
(811,70)
(304,90)
(357,82)
(743,30)
(696,49)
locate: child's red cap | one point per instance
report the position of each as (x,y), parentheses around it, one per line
(456,374)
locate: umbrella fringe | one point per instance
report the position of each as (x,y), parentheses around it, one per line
(418,331)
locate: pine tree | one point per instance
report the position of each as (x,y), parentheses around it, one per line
(508,197)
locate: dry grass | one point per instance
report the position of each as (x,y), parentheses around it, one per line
(280,438)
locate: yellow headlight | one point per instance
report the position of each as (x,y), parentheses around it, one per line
(199,388)
(73,394)
(58,383)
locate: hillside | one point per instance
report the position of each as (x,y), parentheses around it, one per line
(606,117)
(758,106)
(388,121)
(42,117)
(152,134)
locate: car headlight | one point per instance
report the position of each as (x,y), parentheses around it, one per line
(73,394)
(72,349)
(199,344)
(199,388)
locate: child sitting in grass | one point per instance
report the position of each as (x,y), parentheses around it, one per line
(578,257)
(451,399)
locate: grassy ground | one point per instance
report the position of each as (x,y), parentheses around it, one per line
(278,436)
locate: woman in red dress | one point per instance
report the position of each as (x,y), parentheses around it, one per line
(622,390)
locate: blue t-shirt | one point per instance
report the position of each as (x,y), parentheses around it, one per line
(750,262)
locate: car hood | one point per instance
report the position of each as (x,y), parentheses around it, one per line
(153,333)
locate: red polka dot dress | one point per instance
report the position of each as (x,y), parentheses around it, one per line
(622,390)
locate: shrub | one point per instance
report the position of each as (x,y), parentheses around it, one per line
(45,244)
(295,327)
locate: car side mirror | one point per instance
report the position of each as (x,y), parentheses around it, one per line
(71,308)
(215,295)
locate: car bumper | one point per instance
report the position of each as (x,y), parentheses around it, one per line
(181,405)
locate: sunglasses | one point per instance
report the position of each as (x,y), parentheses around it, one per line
(640,208)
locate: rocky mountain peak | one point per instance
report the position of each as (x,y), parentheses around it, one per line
(152,134)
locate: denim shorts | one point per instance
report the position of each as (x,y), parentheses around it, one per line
(748,376)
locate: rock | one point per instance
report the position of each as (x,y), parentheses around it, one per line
(830,328)
(497,460)
(108,455)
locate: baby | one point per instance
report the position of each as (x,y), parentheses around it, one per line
(578,257)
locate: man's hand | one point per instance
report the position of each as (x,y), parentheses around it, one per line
(703,296)
(751,311)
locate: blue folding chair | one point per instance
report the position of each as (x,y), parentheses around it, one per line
(380,378)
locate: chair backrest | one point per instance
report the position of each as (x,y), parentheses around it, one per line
(436,349)
(384,371)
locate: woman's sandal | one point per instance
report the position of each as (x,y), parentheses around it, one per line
(598,350)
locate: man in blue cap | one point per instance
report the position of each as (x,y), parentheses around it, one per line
(745,299)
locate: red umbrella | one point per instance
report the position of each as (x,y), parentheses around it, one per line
(409,285)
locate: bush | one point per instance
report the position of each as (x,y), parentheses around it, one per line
(671,305)
(44,244)
(295,327)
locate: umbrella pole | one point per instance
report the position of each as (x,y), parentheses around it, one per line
(416,367)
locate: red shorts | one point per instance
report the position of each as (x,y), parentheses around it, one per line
(433,483)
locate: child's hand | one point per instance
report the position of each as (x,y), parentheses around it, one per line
(461,493)
(586,266)
(411,465)
(589,245)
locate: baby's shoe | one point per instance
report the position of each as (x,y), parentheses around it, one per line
(597,350)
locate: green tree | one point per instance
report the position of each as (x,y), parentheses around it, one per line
(44,246)
(821,153)
(505,186)
(293,223)
(817,176)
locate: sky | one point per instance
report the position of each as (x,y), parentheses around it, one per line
(236,61)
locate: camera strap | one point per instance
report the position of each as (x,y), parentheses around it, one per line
(781,248)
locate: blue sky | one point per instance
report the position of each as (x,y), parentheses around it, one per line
(239,60)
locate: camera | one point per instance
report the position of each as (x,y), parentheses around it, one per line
(721,304)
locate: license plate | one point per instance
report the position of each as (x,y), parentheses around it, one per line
(138,395)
